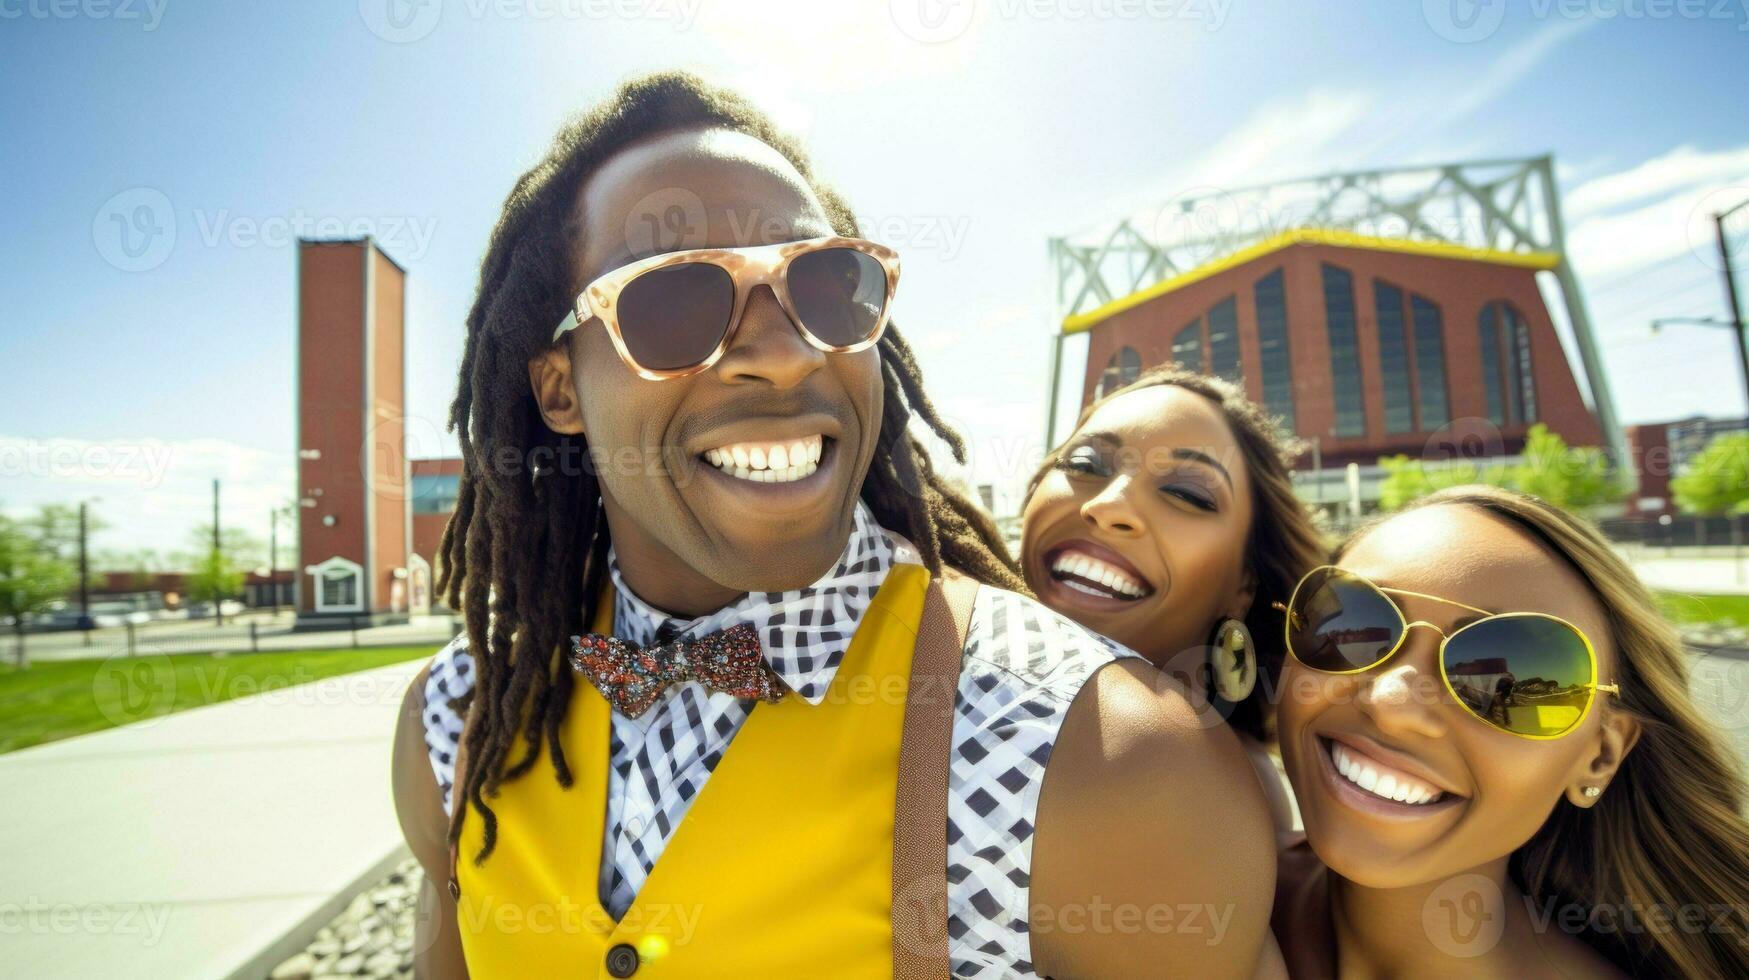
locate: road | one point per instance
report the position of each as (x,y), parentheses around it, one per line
(202,636)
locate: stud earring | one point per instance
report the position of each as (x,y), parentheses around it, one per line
(1592,792)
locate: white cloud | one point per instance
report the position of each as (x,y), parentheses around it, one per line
(1683,169)
(1672,198)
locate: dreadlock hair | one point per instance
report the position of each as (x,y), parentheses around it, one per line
(525,559)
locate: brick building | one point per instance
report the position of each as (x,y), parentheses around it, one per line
(355,525)
(1365,347)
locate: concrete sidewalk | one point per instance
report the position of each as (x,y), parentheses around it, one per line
(208,843)
(1719,574)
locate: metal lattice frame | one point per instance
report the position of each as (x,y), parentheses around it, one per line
(1502,205)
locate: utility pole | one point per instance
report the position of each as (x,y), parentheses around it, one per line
(1732,300)
(273,558)
(217,562)
(84,580)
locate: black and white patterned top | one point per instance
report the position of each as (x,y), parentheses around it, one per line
(1023,667)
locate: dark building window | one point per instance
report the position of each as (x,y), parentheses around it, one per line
(339,587)
(1507,378)
(1393,358)
(1429,363)
(1125,366)
(1488,332)
(1224,340)
(1278,385)
(1524,381)
(1344,352)
(435,493)
(1187,347)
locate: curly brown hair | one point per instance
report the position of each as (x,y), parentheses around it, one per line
(1283,543)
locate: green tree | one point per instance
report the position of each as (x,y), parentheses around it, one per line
(32,575)
(1717,481)
(216,578)
(217,573)
(1574,477)
(1408,479)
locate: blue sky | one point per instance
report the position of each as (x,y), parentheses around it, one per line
(967,131)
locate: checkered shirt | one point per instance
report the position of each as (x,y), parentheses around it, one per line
(1023,666)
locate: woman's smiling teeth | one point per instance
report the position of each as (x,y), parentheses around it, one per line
(769,462)
(1380,780)
(1085,573)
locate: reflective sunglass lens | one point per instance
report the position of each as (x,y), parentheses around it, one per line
(1338,622)
(1526,674)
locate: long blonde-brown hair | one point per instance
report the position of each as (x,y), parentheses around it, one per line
(1282,544)
(1669,835)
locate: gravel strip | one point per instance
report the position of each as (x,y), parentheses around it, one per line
(372,938)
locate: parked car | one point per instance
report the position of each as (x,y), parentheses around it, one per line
(204,610)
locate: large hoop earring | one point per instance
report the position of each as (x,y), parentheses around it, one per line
(1232,662)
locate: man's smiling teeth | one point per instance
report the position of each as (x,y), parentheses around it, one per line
(1085,566)
(1380,780)
(769,462)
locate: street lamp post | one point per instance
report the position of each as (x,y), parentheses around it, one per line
(273,553)
(84,581)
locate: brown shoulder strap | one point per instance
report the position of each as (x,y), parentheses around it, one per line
(920,815)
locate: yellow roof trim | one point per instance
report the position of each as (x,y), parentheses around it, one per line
(1307,236)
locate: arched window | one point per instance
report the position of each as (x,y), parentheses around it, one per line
(339,585)
(1508,379)
(1125,366)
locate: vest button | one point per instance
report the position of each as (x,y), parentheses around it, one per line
(622,960)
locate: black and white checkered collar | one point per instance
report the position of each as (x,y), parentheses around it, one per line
(804,632)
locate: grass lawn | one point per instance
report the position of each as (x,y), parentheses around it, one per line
(58,699)
(1723,609)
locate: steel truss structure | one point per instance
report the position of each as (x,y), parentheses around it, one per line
(1494,205)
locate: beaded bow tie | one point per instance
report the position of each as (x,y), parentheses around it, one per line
(632,677)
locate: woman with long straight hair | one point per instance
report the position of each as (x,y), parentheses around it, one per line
(1489,730)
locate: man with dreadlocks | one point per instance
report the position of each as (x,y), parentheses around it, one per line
(696,548)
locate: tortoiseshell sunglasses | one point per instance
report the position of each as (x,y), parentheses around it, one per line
(675,314)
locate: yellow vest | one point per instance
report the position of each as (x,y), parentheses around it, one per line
(781,868)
